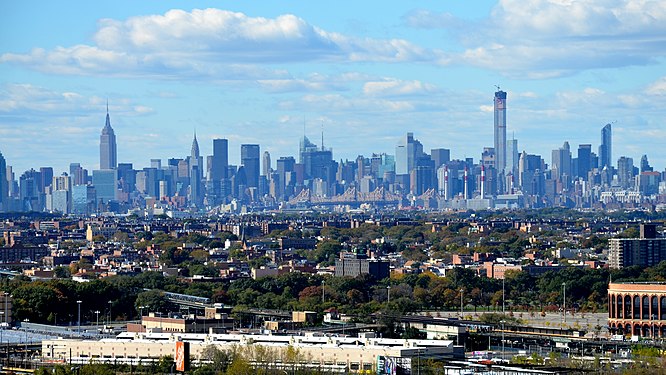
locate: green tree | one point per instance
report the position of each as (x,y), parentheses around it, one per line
(153,300)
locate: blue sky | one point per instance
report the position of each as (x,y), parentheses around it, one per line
(366,72)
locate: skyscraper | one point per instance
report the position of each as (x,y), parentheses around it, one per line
(107,145)
(584,160)
(606,148)
(406,153)
(561,162)
(4,183)
(196,173)
(625,172)
(220,159)
(500,131)
(266,165)
(512,157)
(250,160)
(440,156)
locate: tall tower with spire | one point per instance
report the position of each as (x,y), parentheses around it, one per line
(196,173)
(194,155)
(108,158)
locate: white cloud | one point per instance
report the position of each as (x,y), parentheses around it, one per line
(213,44)
(339,103)
(26,100)
(540,39)
(657,88)
(395,87)
(426,19)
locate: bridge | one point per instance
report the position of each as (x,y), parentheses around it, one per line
(187,300)
(351,196)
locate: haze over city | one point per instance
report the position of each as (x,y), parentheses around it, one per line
(366,73)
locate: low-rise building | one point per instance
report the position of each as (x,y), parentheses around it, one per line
(340,354)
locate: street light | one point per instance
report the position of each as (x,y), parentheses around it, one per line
(388,294)
(461,302)
(6,312)
(564,302)
(323,291)
(1,329)
(97,318)
(26,336)
(110,302)
(79,316)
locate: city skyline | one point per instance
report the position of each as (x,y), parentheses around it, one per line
(366,78)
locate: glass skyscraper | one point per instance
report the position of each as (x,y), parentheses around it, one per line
(606,148)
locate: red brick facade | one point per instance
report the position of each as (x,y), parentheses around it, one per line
(637,309)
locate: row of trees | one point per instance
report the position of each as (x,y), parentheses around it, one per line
(123,297)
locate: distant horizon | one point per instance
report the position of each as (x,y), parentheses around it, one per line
(262,73)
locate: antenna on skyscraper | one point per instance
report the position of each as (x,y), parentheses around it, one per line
(107,106)
(498,88)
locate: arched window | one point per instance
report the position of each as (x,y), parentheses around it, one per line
(645,312)
(627,308)
(654,308)
(663,308)
(620,307)
(612,312)
(637,308)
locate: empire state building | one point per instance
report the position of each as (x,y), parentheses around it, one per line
(107,146)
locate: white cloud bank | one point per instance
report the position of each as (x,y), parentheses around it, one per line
(213,43)
(536,39)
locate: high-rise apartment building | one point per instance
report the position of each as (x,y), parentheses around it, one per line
(646,251)
(606,147)
(107,145)
(500,131)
